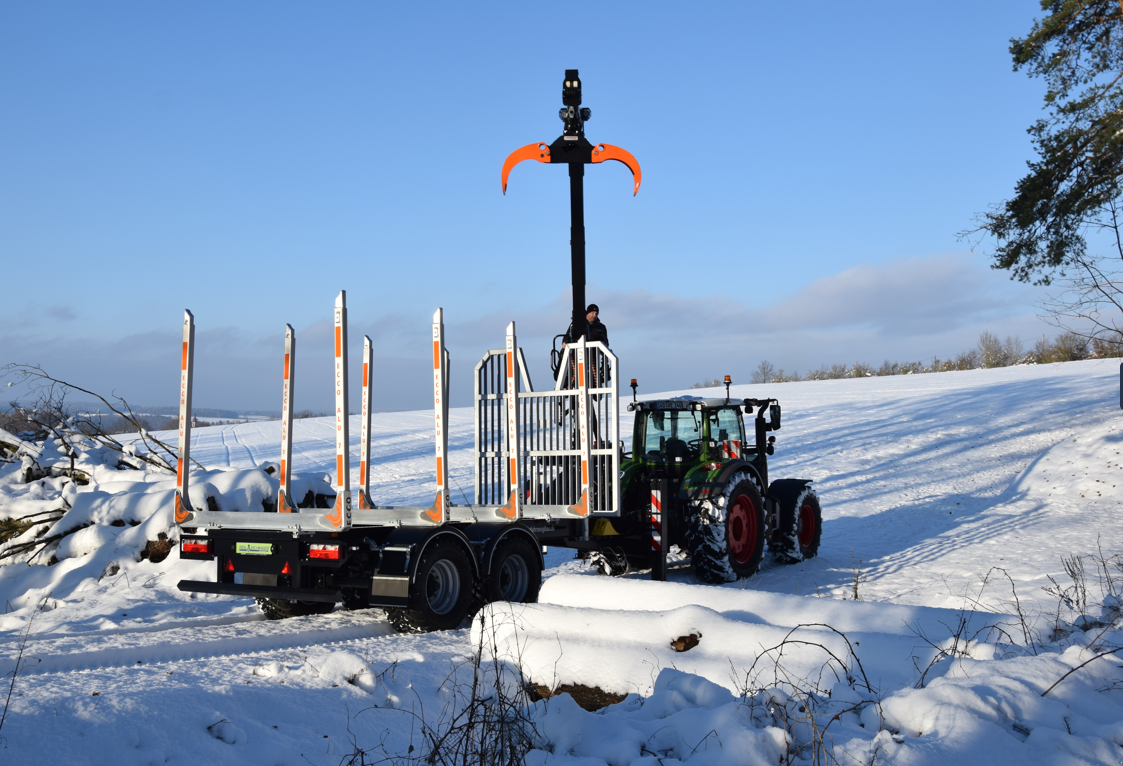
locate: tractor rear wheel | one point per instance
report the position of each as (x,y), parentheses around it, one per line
(727,534)
(441,595)
(801,524)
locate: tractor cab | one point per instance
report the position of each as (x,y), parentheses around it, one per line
(672,436)
(675,435)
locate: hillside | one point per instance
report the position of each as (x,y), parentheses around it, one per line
(927,482)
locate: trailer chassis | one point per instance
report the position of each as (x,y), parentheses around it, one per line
(545,465)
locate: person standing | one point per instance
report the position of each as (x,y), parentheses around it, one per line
(597,329)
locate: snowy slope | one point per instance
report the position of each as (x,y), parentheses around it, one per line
(917,474)
(928,481)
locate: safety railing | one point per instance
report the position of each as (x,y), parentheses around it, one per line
(564,463)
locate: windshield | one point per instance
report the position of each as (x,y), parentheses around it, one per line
(671,434)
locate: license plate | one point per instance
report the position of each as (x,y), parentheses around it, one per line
(254,549)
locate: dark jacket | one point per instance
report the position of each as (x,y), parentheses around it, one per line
(597,331)
(599,373)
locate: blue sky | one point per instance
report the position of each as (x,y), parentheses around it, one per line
(806,170)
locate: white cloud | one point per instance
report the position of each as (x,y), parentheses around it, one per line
(905,309)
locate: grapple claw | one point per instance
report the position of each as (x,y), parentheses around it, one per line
(602,152)
(539,151)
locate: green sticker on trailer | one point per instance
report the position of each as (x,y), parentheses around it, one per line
(254,549)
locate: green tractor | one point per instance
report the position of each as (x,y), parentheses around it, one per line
(694,480)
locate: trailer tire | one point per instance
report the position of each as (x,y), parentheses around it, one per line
(441,594)
(801,526)
(727,534)
(516,575)
(283,608)
(355,598)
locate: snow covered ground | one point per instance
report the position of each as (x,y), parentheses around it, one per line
(928,484)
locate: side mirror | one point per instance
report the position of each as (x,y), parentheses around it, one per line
(774,417)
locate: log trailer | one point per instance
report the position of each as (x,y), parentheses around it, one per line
(550,470)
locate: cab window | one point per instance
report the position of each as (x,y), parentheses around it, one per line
(672,433)
(725,425)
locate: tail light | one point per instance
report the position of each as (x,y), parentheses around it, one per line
(328,552)
(198,546)
(229,565)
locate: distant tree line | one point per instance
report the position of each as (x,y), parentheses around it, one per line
(991,351)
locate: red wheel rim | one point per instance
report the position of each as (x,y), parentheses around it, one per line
(742,529)
(806,526)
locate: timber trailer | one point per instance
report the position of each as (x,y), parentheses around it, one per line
(550,470)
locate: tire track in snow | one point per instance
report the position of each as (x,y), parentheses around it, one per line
(249,452)
(225,446)
(79,652)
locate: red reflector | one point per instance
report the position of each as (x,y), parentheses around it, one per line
(323,552)
(203,546)
(286,569)
(229,565)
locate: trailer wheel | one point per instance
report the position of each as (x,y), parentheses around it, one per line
(516,574)
(281,608)
(441,594)
(727,534)
(355,598)
(801,525)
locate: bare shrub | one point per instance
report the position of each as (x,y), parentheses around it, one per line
(888,368)
(802,706)
(765,372)
(1069,347)
(484,720)
(1013,350)
(990,350)
(1107,346)
(50,417)
(967,360)
(704,383)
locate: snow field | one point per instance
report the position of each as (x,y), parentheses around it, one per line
(928,481)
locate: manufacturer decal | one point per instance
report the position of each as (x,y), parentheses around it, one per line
(254,549)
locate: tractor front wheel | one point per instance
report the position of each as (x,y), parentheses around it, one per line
(801,523)
(727,534)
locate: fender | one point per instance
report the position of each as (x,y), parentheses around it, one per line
(784,488)
(487,538)
(706,490)
(417,539)
(780,491)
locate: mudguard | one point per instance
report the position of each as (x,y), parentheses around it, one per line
(696,490)
(781,490)
(417,539)
(784,488)
(486,539)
